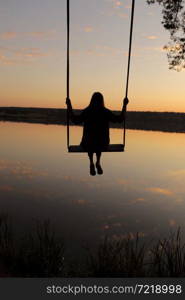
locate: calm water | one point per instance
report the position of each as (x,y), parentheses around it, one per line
(142,190)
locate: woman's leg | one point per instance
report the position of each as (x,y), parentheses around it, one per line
(98,166)
(90,154)
(98,156)
(92,168)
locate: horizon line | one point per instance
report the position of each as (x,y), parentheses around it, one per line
(36,107)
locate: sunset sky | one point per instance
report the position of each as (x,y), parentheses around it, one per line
(33,55)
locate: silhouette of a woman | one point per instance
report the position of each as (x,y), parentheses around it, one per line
(96,118)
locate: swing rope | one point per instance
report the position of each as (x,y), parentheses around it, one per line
(68,67)
(128,67)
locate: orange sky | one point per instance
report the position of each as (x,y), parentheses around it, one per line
(33,64)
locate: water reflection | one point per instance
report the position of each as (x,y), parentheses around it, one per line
(142,190)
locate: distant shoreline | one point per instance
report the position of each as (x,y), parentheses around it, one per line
(155,121)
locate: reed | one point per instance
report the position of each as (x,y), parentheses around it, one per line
(38,254)
(124,257)
(168,257)
(41,253)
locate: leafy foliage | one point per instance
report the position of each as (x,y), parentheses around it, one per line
(174,21)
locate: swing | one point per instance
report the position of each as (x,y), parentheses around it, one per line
(111,147)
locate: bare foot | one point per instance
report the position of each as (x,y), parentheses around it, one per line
(92,170)
(99,169)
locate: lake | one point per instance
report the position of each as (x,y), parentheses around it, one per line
(142,190)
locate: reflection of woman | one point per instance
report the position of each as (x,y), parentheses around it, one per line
(96,120)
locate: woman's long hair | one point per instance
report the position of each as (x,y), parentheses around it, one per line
(97,101)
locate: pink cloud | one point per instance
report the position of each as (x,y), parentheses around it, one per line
(35,34)
(41,34)
(118,3)
(8,35)
(161,191)
(152,37)
(30,53)
(88,29)
(11,56)
(172,223)
(6,188)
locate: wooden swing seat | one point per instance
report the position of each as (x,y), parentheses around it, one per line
(111,148)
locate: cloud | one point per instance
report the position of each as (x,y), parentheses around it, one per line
(6,61)
(9,35)
(152,37)
(114,3)
(30,52)
(88,29)
(80,202)
(172,223)
(117,3)
(158,49)
(177,176)
(157,190)
(180,172)
(12,56)
(27,171)
(103,50)
(20,170)
(116,8)
(41,34)
(145,50)
(123,181)
(139,200)
(128,6)
(150,13)
(6,188)
(122,15)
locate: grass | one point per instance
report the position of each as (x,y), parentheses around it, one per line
(168,257)
(118,258)
(41,253)
(38,254)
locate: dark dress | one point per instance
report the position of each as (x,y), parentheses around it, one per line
(96,127)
